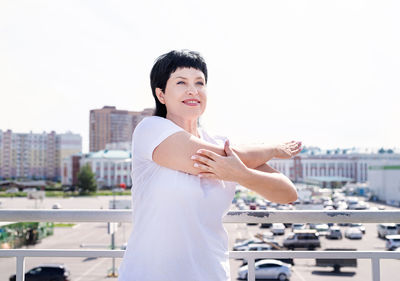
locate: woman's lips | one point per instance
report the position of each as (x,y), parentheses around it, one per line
(191,102)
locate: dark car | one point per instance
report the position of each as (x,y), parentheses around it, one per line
(47,272)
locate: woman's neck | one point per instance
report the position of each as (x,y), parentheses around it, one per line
(189,126)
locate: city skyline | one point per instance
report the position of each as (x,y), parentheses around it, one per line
(283,71)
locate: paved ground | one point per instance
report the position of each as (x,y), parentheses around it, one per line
(91,269)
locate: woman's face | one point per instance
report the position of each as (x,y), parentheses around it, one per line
(185,94)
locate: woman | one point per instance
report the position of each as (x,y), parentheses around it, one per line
(184,180)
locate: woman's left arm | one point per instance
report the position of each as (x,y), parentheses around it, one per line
(254,156)
(264,180)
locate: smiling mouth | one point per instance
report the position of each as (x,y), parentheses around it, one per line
(191,102)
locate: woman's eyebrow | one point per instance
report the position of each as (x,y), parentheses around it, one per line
(186,78)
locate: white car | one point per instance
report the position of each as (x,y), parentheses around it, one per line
(322,228)
(243,246)
(392,242)
(359,225)
(278,228)
(341,205)
(12,190)
(268,235)
(298,226)
(386,229)
(268,269)
(259,247)
(353,233)
(361,205)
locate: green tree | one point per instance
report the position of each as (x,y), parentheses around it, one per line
(86,180)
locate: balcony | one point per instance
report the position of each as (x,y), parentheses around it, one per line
(232,217)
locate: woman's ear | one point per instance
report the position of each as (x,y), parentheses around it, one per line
(160,95)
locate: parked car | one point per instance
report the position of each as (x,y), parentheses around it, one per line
(334,233)
(336,263)
(262,206)
(392,242)
(298,226)
(278,228)
(268,269)
(361,205)
(341,205)
(359,225)
(56,206)
(243,246)
(265,225)
(322,228)
(242,206)
(353,233)
(46,272)
(259,247)
(306,238)
(386,229)
(267,235)
(12,190)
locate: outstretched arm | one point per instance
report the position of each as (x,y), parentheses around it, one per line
(254,156)
(175,151)
(264,180)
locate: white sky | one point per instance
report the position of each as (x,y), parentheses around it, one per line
(324,72)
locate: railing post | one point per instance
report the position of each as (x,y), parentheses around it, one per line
(20,268)
(376,271)
(251,269)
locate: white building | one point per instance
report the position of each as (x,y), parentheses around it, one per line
(384,182)
(348,165)
(111,167)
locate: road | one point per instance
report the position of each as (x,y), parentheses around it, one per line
(95,234)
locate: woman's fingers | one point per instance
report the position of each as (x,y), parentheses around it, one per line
(210,154)
(208,175)
(202,167)
(203,160)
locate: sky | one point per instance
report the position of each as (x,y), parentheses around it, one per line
(322,72)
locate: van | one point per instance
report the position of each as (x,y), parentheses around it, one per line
(302,239)
(386,229)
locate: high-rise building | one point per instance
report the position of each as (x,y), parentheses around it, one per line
(110,125)
(35,156)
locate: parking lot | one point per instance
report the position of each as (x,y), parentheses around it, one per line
(95,235)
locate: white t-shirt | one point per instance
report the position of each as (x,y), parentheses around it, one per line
(177,230)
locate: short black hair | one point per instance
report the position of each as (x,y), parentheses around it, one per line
(169,63)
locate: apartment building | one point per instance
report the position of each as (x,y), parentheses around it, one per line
(35,156)
(112,126)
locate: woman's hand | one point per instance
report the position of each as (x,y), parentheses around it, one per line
(213,165)
(287,150)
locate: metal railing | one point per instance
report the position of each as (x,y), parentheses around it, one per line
(232,217)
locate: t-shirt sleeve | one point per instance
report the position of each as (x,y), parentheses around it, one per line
(149,133)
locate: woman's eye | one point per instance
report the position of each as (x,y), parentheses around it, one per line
(201,83)
(180,82)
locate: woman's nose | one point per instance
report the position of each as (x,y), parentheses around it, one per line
(191,90)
